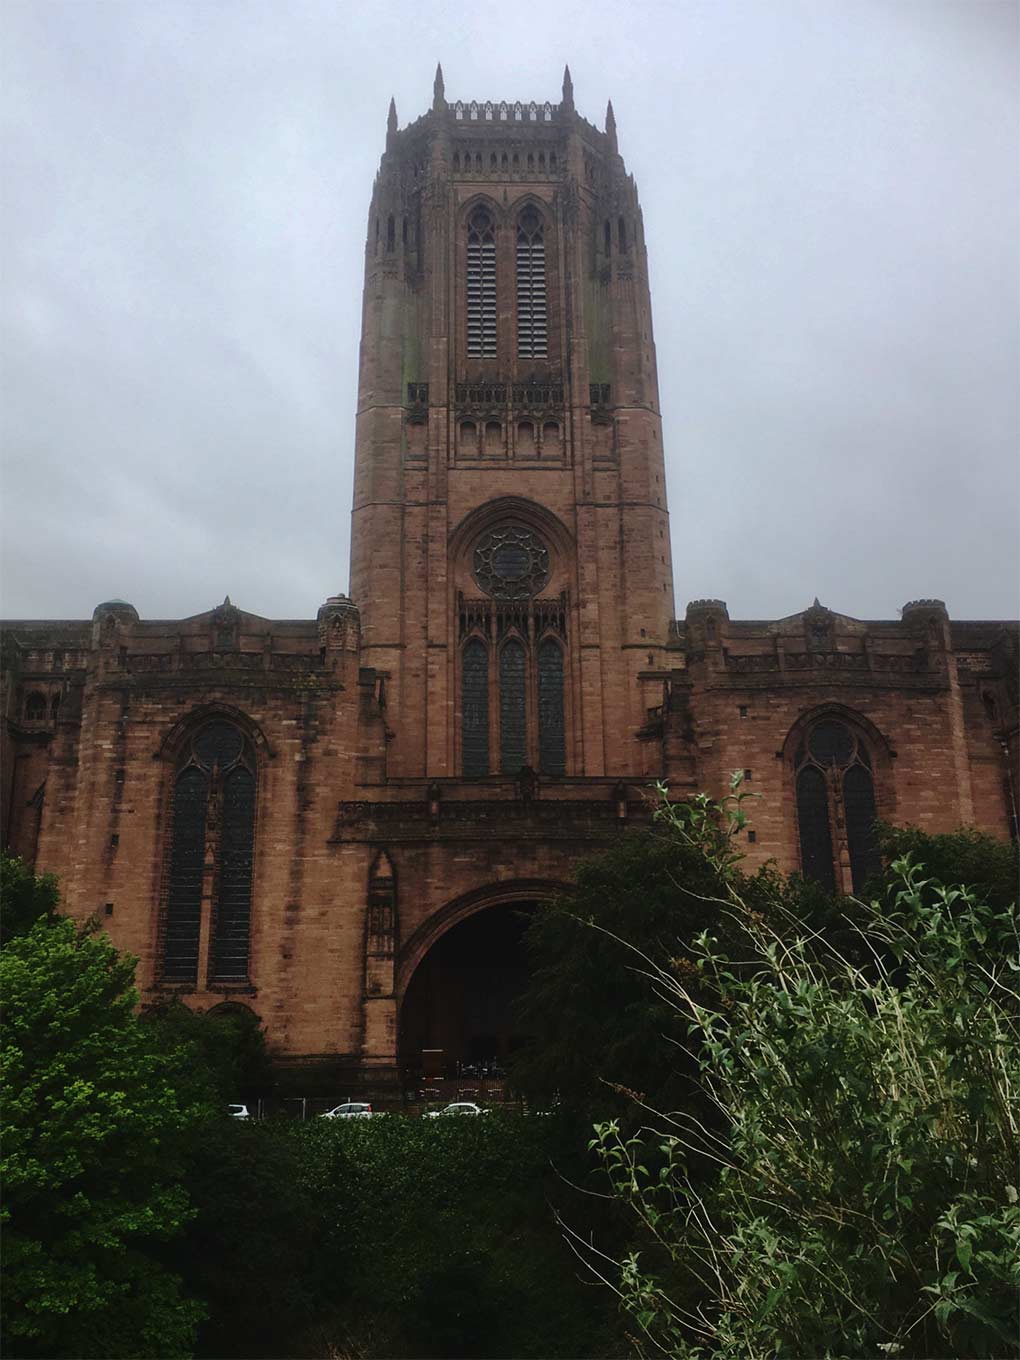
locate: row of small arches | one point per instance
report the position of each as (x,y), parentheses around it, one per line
(532,440)
(505,162)
(37,708)
(503,112)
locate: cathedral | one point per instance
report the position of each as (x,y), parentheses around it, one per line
(340,822)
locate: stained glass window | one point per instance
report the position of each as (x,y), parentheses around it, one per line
(216,769)
(834,781)
(815,833)
(511,562)
(187,859)
(551,742)
(859,802)
(233,900)
(475,710)
(512,707)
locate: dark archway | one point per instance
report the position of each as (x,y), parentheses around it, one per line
(457,1016)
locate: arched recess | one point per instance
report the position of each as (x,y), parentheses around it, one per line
(459,909)
(462,975)
(839,778)
(520,508)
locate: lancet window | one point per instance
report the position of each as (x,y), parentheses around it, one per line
(512,660)
(523,688)
(836,806)
(532,312)
(212,836)
(481,286)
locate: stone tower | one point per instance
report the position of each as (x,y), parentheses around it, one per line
(510,546)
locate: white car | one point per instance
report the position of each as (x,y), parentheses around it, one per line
(238,1111)
(350,1109)
(458,1107)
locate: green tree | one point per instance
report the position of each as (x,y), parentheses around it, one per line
(25,897)
(226,1047)
(597,1028)
(864,1195)
(91,1128)
(990,868)
(439,1240)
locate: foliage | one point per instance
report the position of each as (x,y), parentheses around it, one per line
(441,1241)
(990,868)
(25,897)
(90,1123)
(598,1030)
(254,1249)
(864,1199)
(226,1047)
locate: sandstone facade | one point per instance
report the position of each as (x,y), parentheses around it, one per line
(289,815)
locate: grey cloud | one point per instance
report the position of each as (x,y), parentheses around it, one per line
(830,202)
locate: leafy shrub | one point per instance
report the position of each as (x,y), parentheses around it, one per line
(91,1123)
(864,1199)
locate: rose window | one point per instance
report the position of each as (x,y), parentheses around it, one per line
(511,563)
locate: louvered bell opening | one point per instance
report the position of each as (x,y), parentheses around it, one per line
(532,342)
(474,299)
(488,300)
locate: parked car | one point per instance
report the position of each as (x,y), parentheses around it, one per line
(238,1111)
(458,1107)
(350,1109)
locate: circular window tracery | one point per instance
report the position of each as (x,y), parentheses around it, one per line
(511,563)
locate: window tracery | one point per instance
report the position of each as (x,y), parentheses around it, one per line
(836,806)
(511,562)
(211,854)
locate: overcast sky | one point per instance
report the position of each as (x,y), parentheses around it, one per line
(830,196)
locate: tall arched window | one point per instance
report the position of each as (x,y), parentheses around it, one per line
(551,741)
(513,735)
(212,838)
(836,805)
(481,286)
(475,709)
(532,322)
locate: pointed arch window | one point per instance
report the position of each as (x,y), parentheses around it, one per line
(836,806)
(513,733)
(475,709)
(532,312)
(551,740)
(212,841)
(481,286)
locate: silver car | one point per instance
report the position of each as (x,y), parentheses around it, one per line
(350,1109)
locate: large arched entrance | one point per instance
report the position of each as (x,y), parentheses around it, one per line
(465,974)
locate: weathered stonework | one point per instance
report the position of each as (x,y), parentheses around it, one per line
(369,840)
